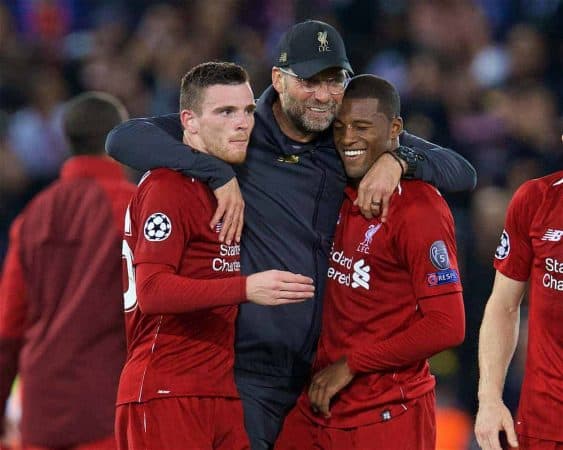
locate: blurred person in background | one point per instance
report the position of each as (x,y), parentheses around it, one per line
(14,61)
(293,184)
(13,180)
(61,321)
(35,132)
(160,52)
(529,255)
(393,299)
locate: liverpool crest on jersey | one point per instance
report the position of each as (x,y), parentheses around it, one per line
(363,247)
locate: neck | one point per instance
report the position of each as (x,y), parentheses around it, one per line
(287,126)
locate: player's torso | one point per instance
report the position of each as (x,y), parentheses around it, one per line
(546,285)
(372,295)
(191,353)
(369,293)
(541,408)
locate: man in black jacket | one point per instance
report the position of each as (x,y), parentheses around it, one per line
(293,184)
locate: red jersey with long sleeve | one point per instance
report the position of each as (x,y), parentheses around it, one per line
(379,276)
(531,249)
(61,320)
(189,353)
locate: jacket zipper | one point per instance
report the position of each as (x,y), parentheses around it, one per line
(314,326)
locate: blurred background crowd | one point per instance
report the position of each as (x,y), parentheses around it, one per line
(484,77)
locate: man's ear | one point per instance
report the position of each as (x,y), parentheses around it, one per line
(190,121)
(277,80)
(396,127)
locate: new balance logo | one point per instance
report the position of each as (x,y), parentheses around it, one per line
(552,235)
(360,277)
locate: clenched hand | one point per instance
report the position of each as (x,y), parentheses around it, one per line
(328,382)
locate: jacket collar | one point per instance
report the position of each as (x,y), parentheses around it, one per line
(99,167)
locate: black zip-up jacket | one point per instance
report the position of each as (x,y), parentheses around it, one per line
(292,194)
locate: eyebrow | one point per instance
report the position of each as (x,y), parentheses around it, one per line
(356,122)
(226,108)
(251,107)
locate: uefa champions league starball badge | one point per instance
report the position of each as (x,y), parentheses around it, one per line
(157,227)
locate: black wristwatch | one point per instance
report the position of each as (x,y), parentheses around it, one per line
(411,157)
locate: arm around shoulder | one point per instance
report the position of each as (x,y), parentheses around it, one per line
(440,166)
(149,143)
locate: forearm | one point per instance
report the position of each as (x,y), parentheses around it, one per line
(440,166)
(441,327)
(497,342)
(161,291)
(150,143)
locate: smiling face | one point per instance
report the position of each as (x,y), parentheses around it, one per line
(362,133)
(222,128)
(307,112)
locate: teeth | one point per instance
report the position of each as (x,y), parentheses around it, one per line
(319,109)
(353,152)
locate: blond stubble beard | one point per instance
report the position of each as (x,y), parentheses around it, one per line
(217,149)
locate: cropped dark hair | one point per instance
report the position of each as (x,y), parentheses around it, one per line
(205,75)
(88,118)
(371,86)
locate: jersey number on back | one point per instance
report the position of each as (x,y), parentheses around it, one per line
(130,295)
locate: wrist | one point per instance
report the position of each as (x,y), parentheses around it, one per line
(410,158)
(402,164)
(489,396)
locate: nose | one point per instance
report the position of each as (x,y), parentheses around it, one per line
(243,121)
(322,94)
(348,135)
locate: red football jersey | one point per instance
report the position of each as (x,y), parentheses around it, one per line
(377,275)
(531,249)
(181,354)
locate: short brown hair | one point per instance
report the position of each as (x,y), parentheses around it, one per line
(88,118)
(205,75)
